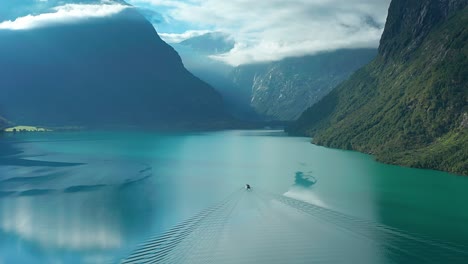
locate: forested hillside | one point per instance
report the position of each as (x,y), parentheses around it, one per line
(409,105)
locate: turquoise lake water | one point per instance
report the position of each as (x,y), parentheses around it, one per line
(94,197)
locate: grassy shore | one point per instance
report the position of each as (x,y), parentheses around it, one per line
(26,129)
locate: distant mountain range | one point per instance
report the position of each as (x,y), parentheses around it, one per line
(210,43)
(279,90)
(409,105)
(196,52)
(111,71)
(283,90)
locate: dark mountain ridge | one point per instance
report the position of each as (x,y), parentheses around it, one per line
(112,71)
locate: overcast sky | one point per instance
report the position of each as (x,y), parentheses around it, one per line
(264,30)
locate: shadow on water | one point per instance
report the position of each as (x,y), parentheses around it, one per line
(70,190)
(304,180)
(9,156)
(6,194)
(36,192)
(78,214)
(84,188)
(6,148)
(29,180)
(129,183)
(8,161)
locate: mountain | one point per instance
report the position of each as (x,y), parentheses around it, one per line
(242,79)
(110,71)
(210,43)
(409,105)
(196,54)
(3,123)
(279,90)
(283,90)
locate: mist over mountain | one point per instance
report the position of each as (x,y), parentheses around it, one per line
(279,90)
(210,43)
(283,90)
(107,71)
(196,54)
(11,10)
(409,105)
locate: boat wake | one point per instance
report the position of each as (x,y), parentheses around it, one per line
(262,227)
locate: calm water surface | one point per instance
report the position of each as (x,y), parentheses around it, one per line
(92,197)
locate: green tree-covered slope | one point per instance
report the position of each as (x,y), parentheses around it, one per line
(409,105)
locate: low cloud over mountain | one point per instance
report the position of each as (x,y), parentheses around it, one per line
(270,30)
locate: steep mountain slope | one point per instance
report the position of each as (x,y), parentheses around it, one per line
(210,43)
(409,105)
(112,71)
(279,90)
(283,90)
(242,79)
(3,123)
(196,55)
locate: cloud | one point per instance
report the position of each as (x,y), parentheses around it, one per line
(268,30)
(153,16)
(64,14)
(177,38)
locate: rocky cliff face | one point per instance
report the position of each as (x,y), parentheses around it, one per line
(112,71)
(410,21)
(286,88)
(279,90)
(283,90)
(409,105)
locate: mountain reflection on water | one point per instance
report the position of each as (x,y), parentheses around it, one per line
(93,197)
